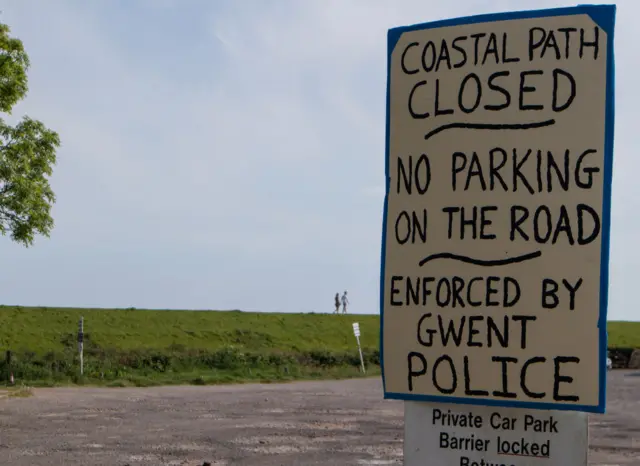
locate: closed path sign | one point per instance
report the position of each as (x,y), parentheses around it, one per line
(497,212)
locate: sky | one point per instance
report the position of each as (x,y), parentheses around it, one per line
(229,154)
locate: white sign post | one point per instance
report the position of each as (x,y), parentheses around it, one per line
(495,243)
(81,344)
(356,332)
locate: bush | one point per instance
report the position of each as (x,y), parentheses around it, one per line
(139,366)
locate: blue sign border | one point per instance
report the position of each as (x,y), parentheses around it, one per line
(603,16)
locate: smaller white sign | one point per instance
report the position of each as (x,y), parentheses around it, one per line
(356,329)
(440,434)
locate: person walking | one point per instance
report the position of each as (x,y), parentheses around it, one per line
(337,303)
(345,301)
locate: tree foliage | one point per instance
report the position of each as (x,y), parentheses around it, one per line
(27,153)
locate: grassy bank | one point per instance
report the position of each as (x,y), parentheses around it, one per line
(143,347)
(49,329)
(624,334)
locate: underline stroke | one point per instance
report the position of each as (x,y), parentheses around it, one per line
(481,262)
(490,126)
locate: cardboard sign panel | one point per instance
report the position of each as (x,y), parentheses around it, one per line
(496,225)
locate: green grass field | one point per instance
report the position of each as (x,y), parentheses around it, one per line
(145,347)
(624,334)
(48,329)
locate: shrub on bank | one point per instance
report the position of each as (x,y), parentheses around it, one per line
(112,364)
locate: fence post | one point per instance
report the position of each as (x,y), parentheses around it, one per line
(8,361)
(81,344)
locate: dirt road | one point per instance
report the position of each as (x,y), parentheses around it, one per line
(302,424)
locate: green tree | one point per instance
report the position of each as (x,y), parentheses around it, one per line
(27,153)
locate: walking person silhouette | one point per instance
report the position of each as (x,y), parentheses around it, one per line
(337,303)
(345,301)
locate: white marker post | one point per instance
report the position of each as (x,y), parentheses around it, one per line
(356,332)
(495,247)
(81,344)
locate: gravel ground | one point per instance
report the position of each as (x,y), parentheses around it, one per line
(300,424)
